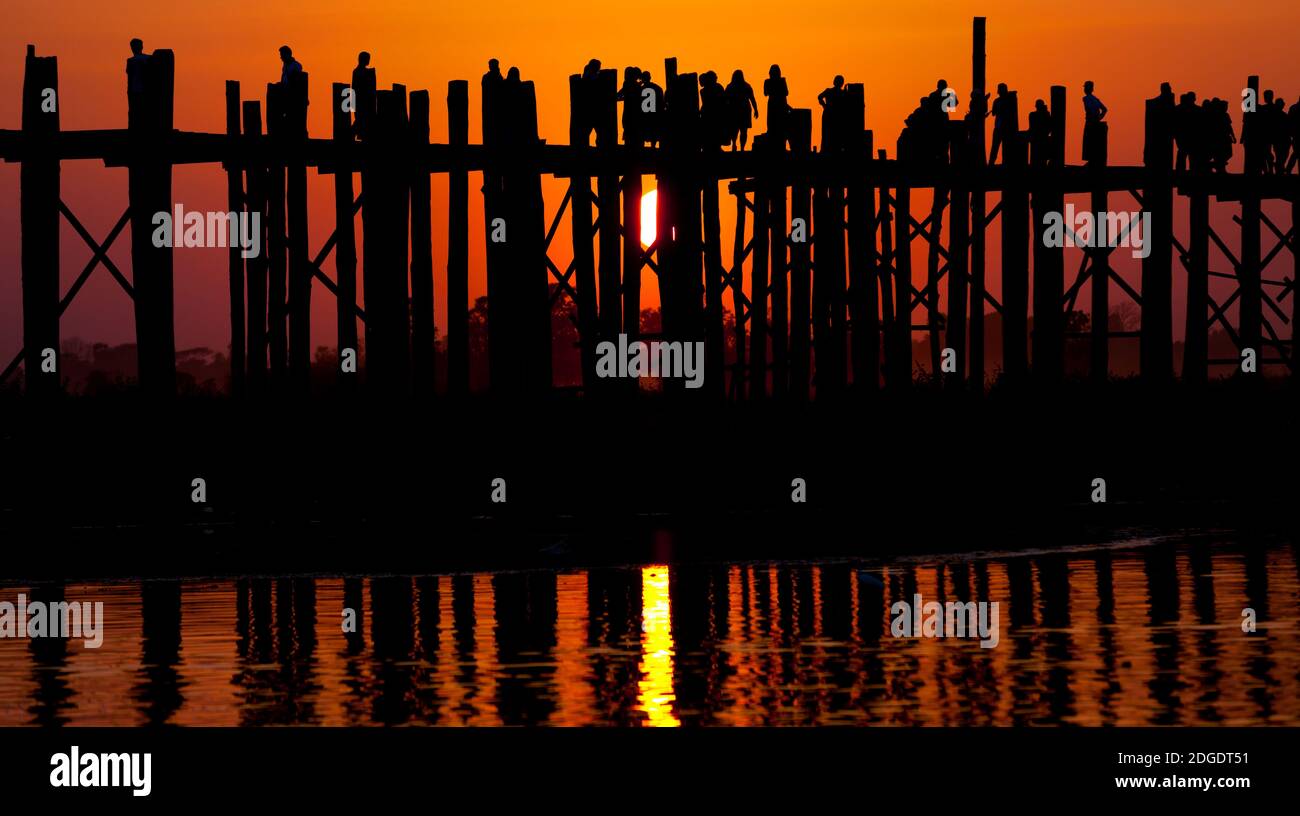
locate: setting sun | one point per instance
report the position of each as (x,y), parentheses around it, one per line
(649,208)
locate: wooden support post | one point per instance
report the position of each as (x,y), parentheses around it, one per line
(1250,316)
(886,261)
(458,241)
(1295,297)
(1157,336)
(1250,305)
(150,183)
(864,306)
(1014,222)
(714,290)
(738,295)
(1196,343)
(422,298)
(235,203)
(960,291)
(978,208)
(40,225)
(397,274)
(800,258)
(604,118)
(384,221)
(584,260)
(497,110)
(255,183)
(758,286)
(683,308)
(345,247)
(276,292)
(1049,262)
(779,282)
(530,295)
(300,271)
(903,287)
(1100,264)
(632,252)
(829,293)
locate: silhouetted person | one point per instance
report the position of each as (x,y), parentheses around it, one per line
(591,70)
(1219,134)
(777,93)
(1188,130)
(1160,128)
(1254,136)
(652,118)
(1293,127)
(1040,134)
(713,111)
(938,95)
(290,66)
(742,107)
(1004,126)
(832,102)
(1093,127)
(630,96)
(364,96)
(1279,129)
(135,81)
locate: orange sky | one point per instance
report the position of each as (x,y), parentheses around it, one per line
(896,49)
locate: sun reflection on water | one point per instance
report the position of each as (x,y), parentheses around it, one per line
(656,685)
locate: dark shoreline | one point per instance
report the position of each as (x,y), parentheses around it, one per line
(95,487)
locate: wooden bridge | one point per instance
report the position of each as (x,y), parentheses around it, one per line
(832,314)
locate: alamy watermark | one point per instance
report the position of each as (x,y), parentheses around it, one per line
(209,229)
(57,619)
(1091,230)
(656,358)
(932,619)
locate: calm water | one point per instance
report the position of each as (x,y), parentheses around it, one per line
(1140,633)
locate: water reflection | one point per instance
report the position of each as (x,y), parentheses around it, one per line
(1133,635)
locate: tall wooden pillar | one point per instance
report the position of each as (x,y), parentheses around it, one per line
(300,275)
(255,181)
(978,208)
(235,203)
(584,260)
(1157,338)
(277,337)
(422,298)
(345,246)
(1100,263)
(1049,262)
(458,240)
(40,224)
(1014,223)
(150,185)
(800,257)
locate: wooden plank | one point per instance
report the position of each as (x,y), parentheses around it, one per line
(1156,343)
